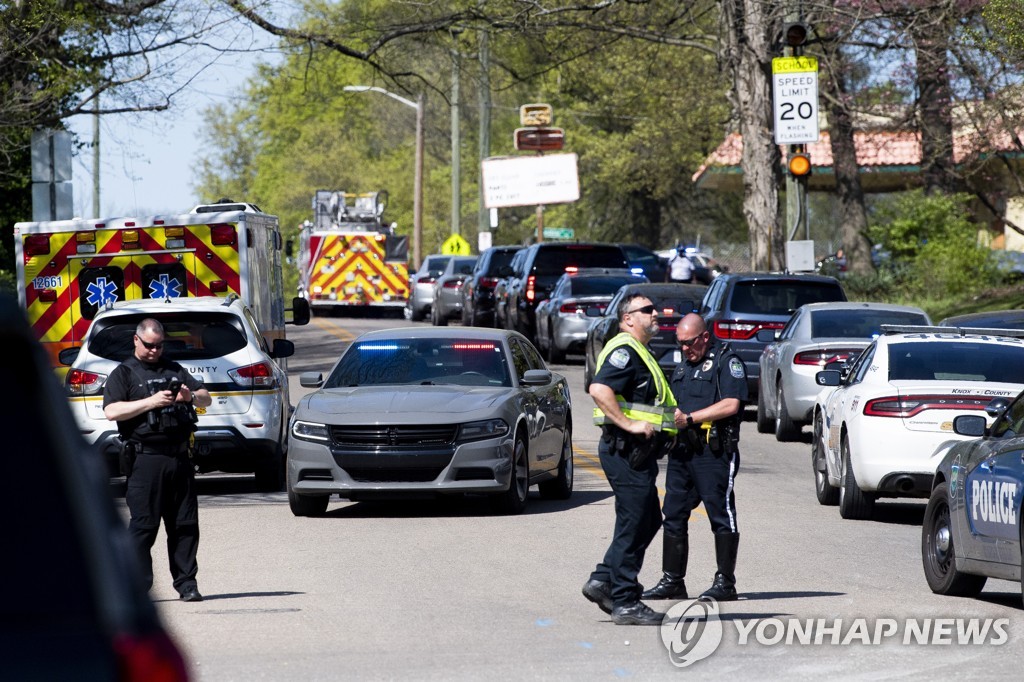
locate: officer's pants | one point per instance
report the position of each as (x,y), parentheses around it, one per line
(705,477)
(163,487)
(637,519)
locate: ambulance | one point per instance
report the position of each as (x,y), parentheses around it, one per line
(68,270)
(349,258)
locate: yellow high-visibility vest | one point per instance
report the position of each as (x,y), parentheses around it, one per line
(661,414)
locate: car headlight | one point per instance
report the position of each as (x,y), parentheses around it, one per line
(311,431)
(488,428)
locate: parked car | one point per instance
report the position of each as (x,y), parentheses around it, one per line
(447,302)
(644,261)
(477,291)
(672,300)
(540,267)
(432,411)
(818,333)
(216,339)
(991,319)
(889,421)
(505,275)
(421,286)
(78,607)
(705,268)
(972,524)
(739,305)
(562,320)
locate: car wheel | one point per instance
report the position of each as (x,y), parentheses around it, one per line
(270,473)
(513,500)
(561,487)
(440,319)
(465,317)
(826,493)
(785,428)
(307,505)
(764,423)
(555,354)
(938,553)
(853,502)
(416,315)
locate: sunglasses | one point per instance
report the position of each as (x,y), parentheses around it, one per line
(152,346)
(686,343)
(646,310)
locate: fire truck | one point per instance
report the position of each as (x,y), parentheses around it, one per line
(348,257)
(70,269)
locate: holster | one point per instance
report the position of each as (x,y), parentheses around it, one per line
(126,457)
(692,440)
(638,450)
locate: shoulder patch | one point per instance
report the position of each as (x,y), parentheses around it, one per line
(736,368)
(619,357)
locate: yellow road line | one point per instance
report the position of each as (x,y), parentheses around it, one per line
(332,329)
(592,464)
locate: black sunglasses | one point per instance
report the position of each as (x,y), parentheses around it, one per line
(646,310)
(686,343)
(152,346)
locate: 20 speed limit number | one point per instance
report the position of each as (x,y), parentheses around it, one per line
(795,88)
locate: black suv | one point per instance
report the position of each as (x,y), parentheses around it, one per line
(478,290)
(740,304)
(537,270)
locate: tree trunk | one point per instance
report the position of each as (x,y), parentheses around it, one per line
(851,212)
(747,56)
(934,106)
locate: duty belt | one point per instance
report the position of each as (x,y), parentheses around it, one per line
(166,450)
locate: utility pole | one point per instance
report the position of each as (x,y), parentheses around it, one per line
(96,160)
(456,170)
(483,221)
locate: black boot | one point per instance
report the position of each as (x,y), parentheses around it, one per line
(675,552)
(724,587)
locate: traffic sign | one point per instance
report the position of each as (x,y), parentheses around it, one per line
(795,89)
(455,246)
(559,233)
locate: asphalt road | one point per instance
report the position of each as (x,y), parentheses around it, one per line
(444,590)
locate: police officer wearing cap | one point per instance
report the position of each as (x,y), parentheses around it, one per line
(156,425)
(634,410)
(710,387)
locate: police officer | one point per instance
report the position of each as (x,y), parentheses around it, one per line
(156,425)
(634,409)
(710,387)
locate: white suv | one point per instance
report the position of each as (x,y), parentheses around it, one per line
(218,340)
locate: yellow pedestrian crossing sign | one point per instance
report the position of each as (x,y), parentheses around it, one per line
(455,246)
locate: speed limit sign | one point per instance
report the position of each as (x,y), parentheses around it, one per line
(795,86)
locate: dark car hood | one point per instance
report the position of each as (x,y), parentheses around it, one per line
(408,404)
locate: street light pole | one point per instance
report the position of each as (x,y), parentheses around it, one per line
(417,210)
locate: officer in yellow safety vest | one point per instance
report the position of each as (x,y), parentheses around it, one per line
(635,409)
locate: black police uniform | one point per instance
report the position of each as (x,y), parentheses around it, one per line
(161,482)
(703,465)
(637,511)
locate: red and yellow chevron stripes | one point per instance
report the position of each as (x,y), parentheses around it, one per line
(350,268)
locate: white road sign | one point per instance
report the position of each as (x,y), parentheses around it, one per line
(530,180)
(795,89)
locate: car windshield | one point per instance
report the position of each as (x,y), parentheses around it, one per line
(957,361)
(859,324)
(555,261)
(436,265)
(499,259)
(464,266)
(463,362)
(187,336)
(598,286)
(672,305)
(781,297)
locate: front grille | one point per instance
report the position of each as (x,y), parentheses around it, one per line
(474,474)
(408,475)
(393,436)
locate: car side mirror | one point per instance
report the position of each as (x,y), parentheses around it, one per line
(67,356)
(972,425)
(828,377)
(300,311)
(536,377)
(768,335)
(996,407)
(311,379)
(283,348)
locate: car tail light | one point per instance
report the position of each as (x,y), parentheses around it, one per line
(908,406)
(823,357)
(531,282)
(742,329)
(223,235)
(253,376)
(145,658)
(572,269)
(37,245)
(425,279)
(80,382)
(572,309)
(453,284)
(488,282)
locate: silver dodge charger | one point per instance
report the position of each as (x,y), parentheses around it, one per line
(432,411)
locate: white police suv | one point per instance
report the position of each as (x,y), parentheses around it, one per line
(218,340)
